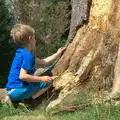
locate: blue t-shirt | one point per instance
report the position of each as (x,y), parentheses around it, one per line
(23,59)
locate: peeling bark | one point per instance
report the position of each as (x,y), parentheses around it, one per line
(115,93)
(100,38)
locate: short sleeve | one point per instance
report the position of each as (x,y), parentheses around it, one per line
(28,62)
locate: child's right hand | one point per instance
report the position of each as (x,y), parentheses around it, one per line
(48,78)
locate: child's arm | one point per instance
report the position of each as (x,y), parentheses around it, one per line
(46,61)
(29,78)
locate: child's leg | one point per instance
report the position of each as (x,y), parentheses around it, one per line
(43,86)
(29,91)
(40,92)
(20,94)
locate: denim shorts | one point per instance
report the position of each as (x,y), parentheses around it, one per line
(19,94)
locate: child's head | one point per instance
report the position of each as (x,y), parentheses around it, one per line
(23,35)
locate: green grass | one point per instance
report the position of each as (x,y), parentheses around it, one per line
(93,112)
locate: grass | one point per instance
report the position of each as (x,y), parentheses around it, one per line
(93,112)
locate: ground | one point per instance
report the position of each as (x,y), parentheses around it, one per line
(96,111)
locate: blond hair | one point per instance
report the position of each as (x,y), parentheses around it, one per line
(20,33)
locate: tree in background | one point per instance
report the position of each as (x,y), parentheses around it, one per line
(4,42)
(50,19)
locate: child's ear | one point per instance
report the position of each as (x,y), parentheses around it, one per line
(30,38)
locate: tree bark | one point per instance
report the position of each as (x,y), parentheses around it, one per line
(79,16)
(89,60)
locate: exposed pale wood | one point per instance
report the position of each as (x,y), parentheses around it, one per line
(101,35)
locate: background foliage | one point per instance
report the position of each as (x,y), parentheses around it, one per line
(5,48)
(49,18)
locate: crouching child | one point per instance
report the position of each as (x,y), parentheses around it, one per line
(22,83)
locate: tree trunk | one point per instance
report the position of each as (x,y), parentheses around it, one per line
(19,9)
(79,16)
(90,59)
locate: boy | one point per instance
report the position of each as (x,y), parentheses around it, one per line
(22,84)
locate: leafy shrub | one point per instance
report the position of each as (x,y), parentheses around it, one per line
(5,59)
(50,19)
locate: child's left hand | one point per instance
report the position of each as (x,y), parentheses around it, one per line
(61,50)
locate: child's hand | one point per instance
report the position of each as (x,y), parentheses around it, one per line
(47,78)
(60,50)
